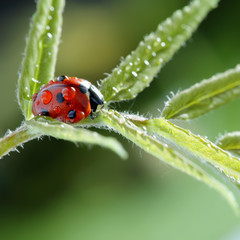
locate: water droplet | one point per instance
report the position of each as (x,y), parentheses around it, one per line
(163,44)
(122,120)
(139,132)
(119,71)
(37,65)
(146,62)
(51,8)
(127,68)
(209,145)
(49,35)
(48,27)
(187,9)
(129,90)
(49,53)
(35,80)
(130,63)
(160,61)
(149,47)
(46,97)
(69,93)
(165,145)
(156,43)
(178,14)
(134,74)
(49,17)
(154,54)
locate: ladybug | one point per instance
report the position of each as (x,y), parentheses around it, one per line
(67,99)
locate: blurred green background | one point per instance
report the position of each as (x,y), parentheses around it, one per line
(55,190)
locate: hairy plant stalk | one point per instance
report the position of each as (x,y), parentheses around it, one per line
(11,141)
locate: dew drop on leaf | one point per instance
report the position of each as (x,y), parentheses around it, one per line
(146,62)
(49,35)
(134,74)
(163,44)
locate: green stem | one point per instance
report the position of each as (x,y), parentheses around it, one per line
(19,136)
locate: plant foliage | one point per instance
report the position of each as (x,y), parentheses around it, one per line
(178,147)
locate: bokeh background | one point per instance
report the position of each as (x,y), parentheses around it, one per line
(54,189)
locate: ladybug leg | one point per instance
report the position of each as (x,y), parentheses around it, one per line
(91,115)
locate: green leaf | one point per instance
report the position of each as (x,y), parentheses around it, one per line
(230,142)
(140,132)
(41,51)
(54,128)
(139,68)
(205,96)
(197,146)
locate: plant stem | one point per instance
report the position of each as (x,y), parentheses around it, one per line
(13,139)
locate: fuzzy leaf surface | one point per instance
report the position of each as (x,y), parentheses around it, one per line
(41,51)
(205,96)
(197,145)
(137,130)
(12,140)
(64,131)
(139,68)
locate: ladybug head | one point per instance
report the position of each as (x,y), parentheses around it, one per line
(95,96)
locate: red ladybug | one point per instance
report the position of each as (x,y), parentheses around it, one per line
(67,99)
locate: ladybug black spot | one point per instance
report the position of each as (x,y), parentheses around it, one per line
(72,114)
(44,112)
(61,78)
(60,97)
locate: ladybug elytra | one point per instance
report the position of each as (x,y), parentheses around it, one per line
(67,99)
